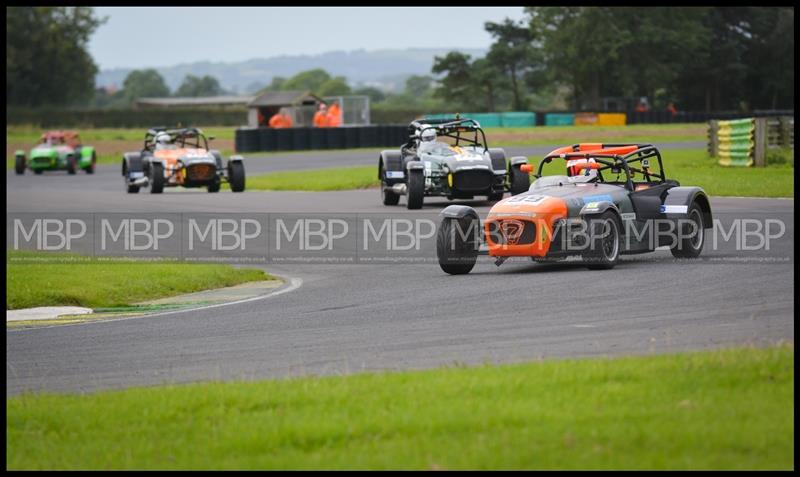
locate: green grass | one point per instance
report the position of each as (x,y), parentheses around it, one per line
(722,409)
(29,134)
(689,166)
(344,178)
(645,133)
(38,279)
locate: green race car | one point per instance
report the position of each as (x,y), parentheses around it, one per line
(57,151)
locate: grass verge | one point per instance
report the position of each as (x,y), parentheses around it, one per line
(110,143)
(93,284)
(722,409)
(689,166)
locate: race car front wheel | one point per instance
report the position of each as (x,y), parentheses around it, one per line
(519,181)
(457,244)
(236,176)
(690,240)
(90,168)
(156,178)
(72,165)
(602,252)
(416,189)
(19,165)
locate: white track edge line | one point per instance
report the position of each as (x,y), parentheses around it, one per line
(294,284)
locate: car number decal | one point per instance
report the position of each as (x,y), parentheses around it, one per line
(394,174)
(674,209)
(526,199)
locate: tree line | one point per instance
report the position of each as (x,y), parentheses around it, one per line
(556,58)
(700,58)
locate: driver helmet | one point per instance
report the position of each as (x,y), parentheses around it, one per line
(162,139)
(428,135)
(580,174)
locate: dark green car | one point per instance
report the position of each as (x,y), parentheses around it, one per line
(57,151)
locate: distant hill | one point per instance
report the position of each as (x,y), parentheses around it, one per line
(386,69)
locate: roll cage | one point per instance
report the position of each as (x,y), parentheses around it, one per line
(192,138)
(614,158)
(448,127)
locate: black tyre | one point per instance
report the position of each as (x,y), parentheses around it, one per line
(38,172)
(214,186)
(519,181)
(236,176)
(604,241)
(19,164)
(416,189)
(495,197)
(692,235)
(456,246)
(72,165)
(156,178)
(91,167)
(388,196)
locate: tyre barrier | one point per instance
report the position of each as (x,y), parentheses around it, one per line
(301,139)
(284,140)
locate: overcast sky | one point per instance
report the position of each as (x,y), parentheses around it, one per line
(163,36)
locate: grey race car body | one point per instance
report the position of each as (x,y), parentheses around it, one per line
(457,165)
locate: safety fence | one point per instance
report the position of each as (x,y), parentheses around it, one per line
(299,139)
(495,120)
(744,142)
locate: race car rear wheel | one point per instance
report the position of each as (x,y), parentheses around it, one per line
(416,189)
(519,181)
(90,168)
(691,241)
(236,176)
(456,246)
(388,196)
(495,197)
(19,164)
(156,178)
(604,241)
(72,165)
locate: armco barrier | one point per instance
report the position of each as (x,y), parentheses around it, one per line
(585,119)
(610,119)
(298,139)
(559,119)
(517,120)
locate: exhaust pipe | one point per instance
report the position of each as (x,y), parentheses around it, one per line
(399,189)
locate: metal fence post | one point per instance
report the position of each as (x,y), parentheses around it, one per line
(713,139)
(760,147)
(786,130)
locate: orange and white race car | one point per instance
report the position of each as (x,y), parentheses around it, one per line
(614,200)
(179,157)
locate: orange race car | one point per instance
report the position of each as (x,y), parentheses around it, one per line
(614,199)
(179,157)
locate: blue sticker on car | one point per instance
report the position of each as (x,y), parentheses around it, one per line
(597,198)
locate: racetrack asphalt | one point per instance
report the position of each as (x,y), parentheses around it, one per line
(349,318)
